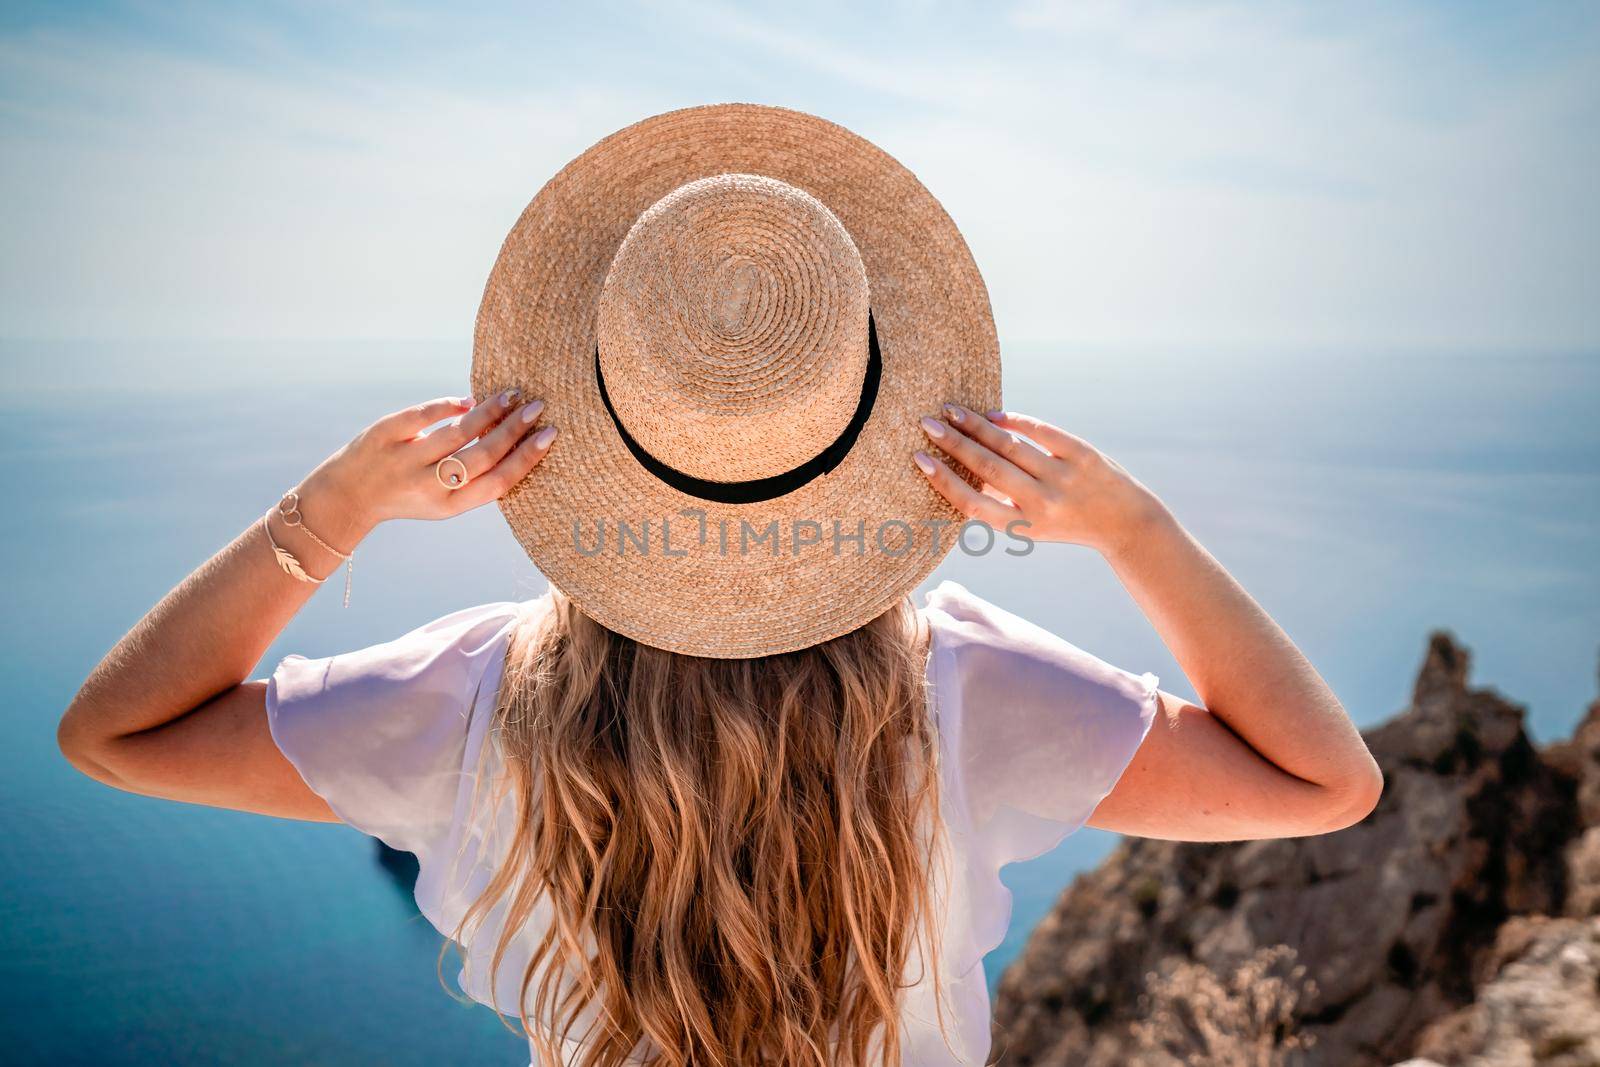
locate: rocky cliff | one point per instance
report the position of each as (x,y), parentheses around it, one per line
(1458,924)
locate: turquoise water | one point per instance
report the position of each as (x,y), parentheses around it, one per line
(1362,499)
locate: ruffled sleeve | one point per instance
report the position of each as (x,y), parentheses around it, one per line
(388,734)
(1035,730)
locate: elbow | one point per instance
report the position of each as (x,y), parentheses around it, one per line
(1358,800)
(80,747)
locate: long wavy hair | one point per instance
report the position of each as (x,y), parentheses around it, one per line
(737,855)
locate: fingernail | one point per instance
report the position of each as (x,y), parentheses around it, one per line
(531,411)
(543,438)
(934,427)
(507,397)
(466,402)
(954,413)
(996,415)
(923,462)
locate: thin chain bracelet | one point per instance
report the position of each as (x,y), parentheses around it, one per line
(289,512)
(286,559)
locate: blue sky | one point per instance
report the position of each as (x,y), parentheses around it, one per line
(1199,176)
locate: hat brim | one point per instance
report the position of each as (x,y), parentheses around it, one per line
(703,584)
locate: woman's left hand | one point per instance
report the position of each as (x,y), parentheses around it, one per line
(390,470)
(170,711)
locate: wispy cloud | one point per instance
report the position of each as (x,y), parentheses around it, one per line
(1203,175)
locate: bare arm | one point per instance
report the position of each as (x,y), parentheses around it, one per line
(170,712)
(1272,752)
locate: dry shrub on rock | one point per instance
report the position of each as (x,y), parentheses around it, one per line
(1203,1020)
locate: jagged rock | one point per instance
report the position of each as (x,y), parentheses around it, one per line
(1393,918)
(1583,873)
(1539,1005)
(401,868)
(1580,758)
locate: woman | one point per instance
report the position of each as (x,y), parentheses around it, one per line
(725,795)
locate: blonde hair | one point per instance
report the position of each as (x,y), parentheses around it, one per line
(737,855)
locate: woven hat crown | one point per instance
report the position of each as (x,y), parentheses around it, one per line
(732,328)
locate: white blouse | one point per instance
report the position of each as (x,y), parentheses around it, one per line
(1033,731)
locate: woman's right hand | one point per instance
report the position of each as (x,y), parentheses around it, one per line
(388,471)
(1056,485)
(1268,751)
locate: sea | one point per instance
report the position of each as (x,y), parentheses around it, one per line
(1365,499)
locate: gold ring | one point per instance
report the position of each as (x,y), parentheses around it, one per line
(453,480)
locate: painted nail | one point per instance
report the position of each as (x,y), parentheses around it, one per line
(466,402)
(531,411)
(507,397)
(996,415)
(543,438)
(923,462)
(954,413)
(934,427)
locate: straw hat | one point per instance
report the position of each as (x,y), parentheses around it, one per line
(736,315)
